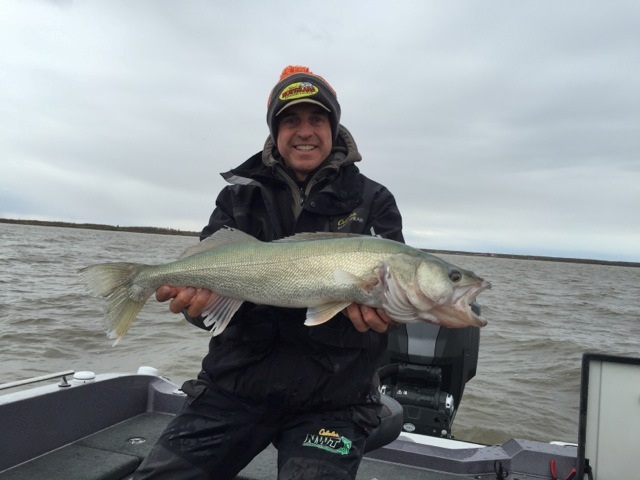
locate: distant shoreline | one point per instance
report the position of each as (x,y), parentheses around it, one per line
(171,231)
(97,226)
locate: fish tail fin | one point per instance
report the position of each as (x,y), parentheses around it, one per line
(116,283)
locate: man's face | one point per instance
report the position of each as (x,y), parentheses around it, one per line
(304,138)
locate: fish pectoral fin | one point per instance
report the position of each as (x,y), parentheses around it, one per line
(342,277)
(219,312)
(323,313)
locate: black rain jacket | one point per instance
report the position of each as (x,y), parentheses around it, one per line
(266,353)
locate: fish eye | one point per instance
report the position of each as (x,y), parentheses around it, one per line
(455,276)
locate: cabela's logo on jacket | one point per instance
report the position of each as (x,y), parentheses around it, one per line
(298,90)
(329,441)
(357,216)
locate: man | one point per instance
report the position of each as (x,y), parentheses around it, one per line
(311,391)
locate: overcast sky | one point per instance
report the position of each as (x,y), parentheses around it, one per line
(500,126)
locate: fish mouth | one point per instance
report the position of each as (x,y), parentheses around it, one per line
(459,312)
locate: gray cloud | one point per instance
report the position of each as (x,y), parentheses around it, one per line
(499,126)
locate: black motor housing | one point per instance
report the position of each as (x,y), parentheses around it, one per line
(426,369)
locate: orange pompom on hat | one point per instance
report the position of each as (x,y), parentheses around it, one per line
(298,84)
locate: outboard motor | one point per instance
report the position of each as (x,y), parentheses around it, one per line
(425,369)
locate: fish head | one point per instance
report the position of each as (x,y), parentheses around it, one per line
(452,290)
(426,288)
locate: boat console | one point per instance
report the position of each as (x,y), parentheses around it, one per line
(609,417)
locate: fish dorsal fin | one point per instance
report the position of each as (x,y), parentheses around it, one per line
(308,236)
(224,236)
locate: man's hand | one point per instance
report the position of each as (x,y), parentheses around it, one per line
(194,300)
(365,318)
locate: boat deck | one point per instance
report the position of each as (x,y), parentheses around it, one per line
(115,453)
(102,431)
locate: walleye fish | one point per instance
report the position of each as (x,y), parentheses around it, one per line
(324,272)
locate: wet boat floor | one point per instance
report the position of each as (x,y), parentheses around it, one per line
(115,453)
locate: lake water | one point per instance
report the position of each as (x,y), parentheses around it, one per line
(542,317)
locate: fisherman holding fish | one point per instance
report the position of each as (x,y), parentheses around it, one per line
(268,378)
(300,272)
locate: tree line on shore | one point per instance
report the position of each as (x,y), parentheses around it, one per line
(97,226)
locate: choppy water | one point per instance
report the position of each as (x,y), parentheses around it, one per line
(542,317)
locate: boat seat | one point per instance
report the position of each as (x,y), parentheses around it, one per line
(391,420)
(115,452)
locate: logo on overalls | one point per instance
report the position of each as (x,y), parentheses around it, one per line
(329,441)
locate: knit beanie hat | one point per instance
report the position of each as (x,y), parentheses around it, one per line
(298,84)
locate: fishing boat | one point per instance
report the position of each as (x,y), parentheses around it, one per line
(82,425)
